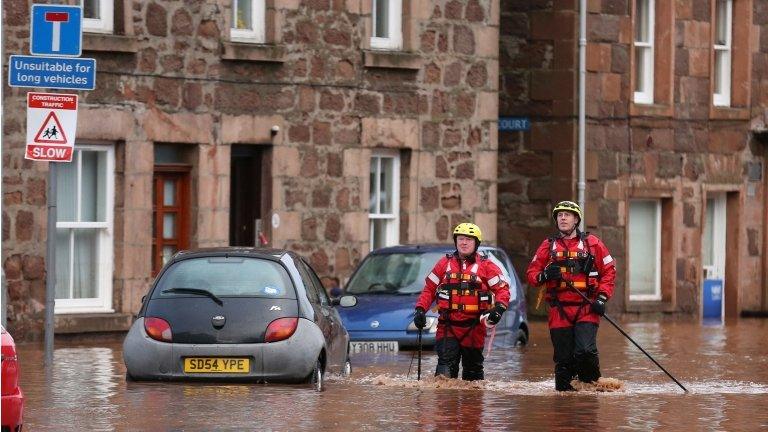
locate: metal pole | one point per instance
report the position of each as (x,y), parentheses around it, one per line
(582,182)
(50,265)
(631,340)
(418,373)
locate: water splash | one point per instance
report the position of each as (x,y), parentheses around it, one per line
(605,386)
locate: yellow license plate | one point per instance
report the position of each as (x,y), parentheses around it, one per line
(216,365)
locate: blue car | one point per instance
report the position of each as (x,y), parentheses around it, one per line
(388,282)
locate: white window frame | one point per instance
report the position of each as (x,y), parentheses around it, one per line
(105,23)
(724,73)
(715,269)
(645,96)
(102,303)
(392,236)
(395,28)
(657,238)
(258,33)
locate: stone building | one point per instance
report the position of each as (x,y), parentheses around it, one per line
(324,126)
(676,103)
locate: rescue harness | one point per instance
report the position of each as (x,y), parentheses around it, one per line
(462,291)
(574,263)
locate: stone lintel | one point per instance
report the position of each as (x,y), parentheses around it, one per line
(251,129)
(179,128)
(390,133)
(106,124)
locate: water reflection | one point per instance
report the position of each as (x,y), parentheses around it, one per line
(724,367)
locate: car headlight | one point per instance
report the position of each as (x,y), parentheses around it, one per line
(431,326)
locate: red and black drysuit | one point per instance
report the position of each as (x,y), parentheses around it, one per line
(585,265)
(464,290)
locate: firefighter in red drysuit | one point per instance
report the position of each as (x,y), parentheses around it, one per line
(573,260)
(466,285)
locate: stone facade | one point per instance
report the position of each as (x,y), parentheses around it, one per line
(171,76)
(679,150)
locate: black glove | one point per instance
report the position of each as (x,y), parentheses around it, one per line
(420,318)
(494,316)
(598,306)
(552,272)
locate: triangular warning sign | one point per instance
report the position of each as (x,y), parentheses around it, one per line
(51,131)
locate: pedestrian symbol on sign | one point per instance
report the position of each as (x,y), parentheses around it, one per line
(51,131)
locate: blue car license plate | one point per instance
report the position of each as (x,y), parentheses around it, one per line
(376,347)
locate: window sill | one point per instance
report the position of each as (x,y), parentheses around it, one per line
(650,110)
(649,306)
(392,60)
(253,52)
(728,113)
(92,323)
(109,43)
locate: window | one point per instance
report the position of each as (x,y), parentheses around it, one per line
(248,21)
(84,255)
(384,202)
(713,239)
(387,30)
(644,43)
(722,46)
(644,250)
(98,16)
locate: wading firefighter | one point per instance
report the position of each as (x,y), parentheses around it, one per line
(569,261)
(466,285)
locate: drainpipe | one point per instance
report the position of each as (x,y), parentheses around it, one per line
(582,184)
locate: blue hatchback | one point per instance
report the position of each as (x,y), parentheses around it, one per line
(389,280)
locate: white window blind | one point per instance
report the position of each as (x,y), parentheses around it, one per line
(384,203)
(644,39)
(387,17)
(644,250)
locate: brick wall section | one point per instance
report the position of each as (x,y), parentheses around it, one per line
(680,155)
(332,111)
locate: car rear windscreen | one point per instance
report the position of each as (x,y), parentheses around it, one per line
(396,273)
(227,276)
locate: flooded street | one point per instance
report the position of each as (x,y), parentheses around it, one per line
(725,368)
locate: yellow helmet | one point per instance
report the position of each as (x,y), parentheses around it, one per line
(567,206)
(468,229)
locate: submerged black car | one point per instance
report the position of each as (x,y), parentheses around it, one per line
(237,314)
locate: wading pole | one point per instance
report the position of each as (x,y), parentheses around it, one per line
(631,340)
(418,364)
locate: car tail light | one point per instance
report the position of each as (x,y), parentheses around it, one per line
(281,329)
(158,329)
(10,365)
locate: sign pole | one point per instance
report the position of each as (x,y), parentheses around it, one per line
(50,266)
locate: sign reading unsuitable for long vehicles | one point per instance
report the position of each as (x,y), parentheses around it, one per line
(51,126)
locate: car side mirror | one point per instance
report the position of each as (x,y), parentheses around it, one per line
(347,301)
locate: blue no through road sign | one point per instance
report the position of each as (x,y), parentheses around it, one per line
(57,30)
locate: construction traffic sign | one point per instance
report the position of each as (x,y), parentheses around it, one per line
(51,126)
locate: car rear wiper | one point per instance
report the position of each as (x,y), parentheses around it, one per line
(197,291)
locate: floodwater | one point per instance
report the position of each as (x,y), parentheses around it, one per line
(724,367)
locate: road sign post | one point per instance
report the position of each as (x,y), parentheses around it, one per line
(55,31)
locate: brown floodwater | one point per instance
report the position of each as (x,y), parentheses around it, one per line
(724,367)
